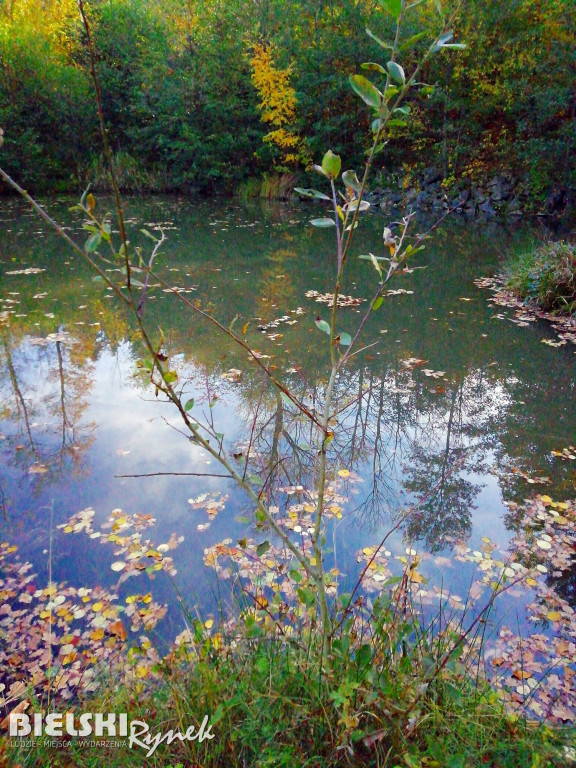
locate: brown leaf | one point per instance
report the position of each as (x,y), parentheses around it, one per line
(21,707)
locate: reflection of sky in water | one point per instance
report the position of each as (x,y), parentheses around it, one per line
(504,400)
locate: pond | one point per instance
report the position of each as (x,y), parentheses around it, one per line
(448,403)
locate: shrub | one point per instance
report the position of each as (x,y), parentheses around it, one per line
(546,275)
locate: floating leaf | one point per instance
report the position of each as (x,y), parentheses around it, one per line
(543,544)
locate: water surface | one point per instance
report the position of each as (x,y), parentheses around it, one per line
(450,403)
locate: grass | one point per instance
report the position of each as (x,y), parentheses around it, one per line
(545,275)
(131,174)
(268,187)
(274,703)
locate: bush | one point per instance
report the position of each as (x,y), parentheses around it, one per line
(546,275)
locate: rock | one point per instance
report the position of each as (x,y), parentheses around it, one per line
(430,176)
(461,199)
(500,188)
(556,200)
(422,199)
(487,208)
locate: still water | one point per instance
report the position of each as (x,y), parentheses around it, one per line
(447,394)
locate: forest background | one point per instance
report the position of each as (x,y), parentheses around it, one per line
(187,86)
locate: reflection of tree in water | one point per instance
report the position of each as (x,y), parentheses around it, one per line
(44,384)
(394,433)
(444,457)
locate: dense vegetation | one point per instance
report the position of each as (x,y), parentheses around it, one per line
(546,276)
(184,90)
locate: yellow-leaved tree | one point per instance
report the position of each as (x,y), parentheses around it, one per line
(278,105)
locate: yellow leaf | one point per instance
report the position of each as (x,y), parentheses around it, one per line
(344,472)
(554,615)
(97,607)
(209,624)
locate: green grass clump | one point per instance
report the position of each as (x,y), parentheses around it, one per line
(280,704)
(546,275)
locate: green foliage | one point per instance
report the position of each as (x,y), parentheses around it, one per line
(546,274)
(274,703)
(179,101)
(46,107)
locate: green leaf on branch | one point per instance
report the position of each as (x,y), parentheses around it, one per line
(331,164)
(149,234)
(366,90)
(323,222)
(372,66)
(93,242)
(351,180)
(428,90)
(311,193)
(170,377)
(255,480)
(322,325)
(396,72)
(363,205)
(411,42)
(442,40)
(378,303)
(397,123)
(394,7)
(106,231)
(381,43)
(261,549)
(345,339)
